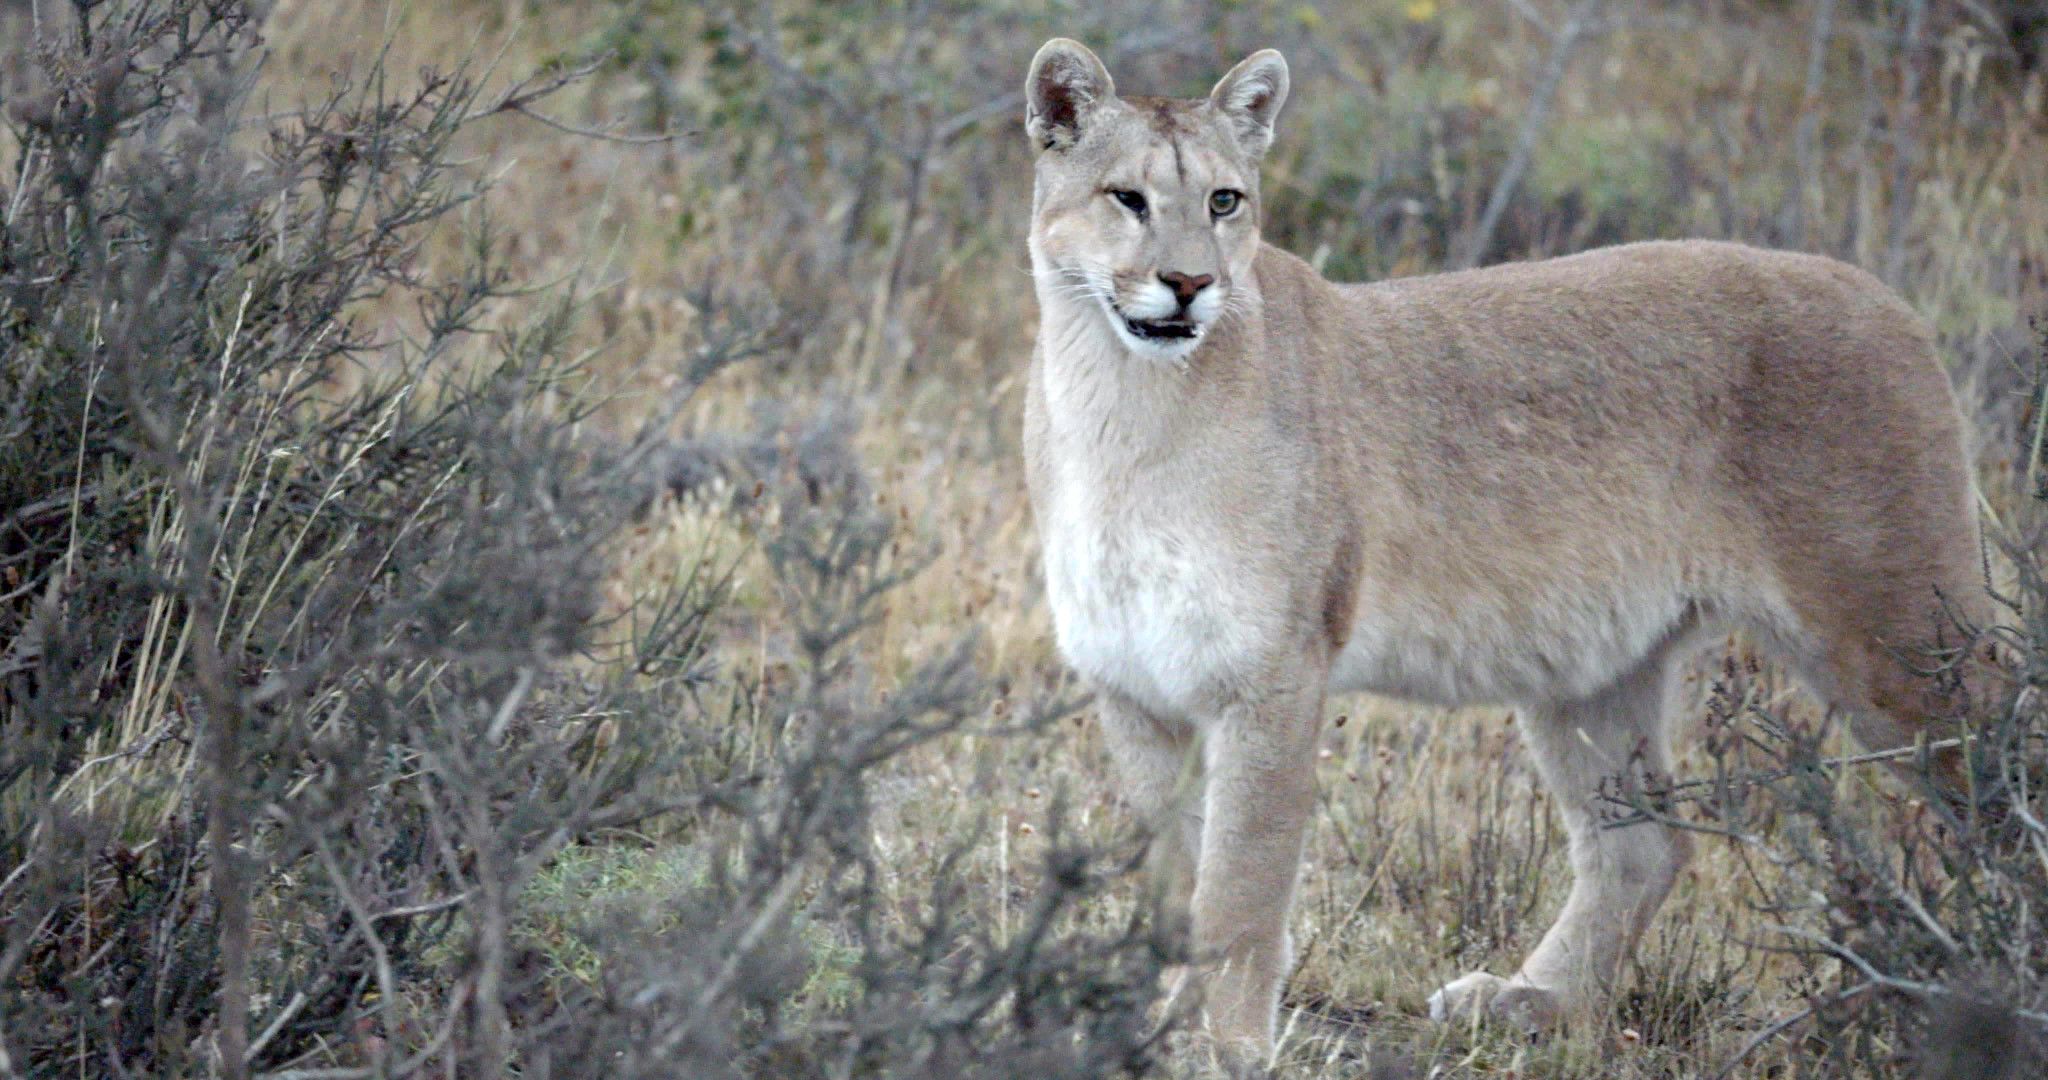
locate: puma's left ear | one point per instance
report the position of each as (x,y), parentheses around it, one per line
(1251,96)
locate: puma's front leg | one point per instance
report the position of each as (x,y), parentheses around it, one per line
(1258,792)
(1154,758)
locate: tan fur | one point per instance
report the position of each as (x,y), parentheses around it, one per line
(1532,484)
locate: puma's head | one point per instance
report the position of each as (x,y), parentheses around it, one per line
(1147,208)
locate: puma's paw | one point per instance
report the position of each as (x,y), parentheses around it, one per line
(1480,994)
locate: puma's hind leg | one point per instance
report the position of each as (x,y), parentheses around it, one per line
(1620,874)
(1901,673)
(1883,636)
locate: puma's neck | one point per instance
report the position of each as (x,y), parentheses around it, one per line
(1098,391)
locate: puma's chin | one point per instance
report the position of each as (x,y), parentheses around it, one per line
(1164,339)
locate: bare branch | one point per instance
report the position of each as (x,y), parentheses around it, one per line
(1565,41)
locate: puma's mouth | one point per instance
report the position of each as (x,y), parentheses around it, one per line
(1162,329)
(1170,338)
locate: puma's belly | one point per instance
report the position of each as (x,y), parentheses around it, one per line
(1496,648)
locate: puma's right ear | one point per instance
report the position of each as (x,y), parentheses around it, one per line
(1066,83)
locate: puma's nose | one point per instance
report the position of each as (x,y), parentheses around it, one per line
(1185,287)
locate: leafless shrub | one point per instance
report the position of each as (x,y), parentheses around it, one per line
(306,682)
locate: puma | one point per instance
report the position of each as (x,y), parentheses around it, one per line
(1534,485)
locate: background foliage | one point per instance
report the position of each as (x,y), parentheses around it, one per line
(513,557)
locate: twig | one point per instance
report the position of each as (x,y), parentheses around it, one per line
(522,95)
(366,927)
(598,133)
(771,912)
(1905,141)
(1690,790)
(956,125)
(1564,42)
(28,169)
(276,1025)
(410,1066)
(1532,17)
(1910,987)
(1809,123)
(424,908)
(508,708)
(1780,1026)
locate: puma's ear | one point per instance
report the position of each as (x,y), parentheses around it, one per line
(1250,98)
(1066,83)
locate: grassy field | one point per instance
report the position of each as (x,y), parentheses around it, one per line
(853,180)
(897,273)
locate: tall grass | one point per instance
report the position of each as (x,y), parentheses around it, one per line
(513,573)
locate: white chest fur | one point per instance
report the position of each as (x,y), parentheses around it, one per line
(1152,589)
(1147,600)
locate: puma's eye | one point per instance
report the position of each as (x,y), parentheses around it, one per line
(1223,202)
(1131,200)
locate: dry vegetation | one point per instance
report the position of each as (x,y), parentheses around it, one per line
(767,262)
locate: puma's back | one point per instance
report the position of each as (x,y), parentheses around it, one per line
(1650,429)
(1534,484)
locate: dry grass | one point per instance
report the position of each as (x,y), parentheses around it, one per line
(1434,853)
